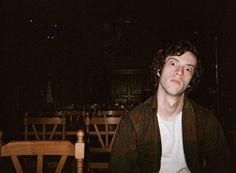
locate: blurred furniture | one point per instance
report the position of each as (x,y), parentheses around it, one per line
(71,116)
(16,150)
(129,86)
(111,113)
(74,119)
(44,128)
(100,140)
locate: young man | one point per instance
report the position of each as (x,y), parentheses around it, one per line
(170,133)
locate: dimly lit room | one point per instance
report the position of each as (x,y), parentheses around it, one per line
(77,61)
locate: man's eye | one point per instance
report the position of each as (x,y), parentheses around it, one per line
(173,63)
(189,69)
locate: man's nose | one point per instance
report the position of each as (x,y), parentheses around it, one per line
(179,72)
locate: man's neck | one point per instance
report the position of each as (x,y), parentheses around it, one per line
(169,106)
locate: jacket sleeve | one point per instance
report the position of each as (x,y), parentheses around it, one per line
(124,153)
(216,150)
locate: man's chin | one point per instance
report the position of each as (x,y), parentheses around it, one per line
(176,93)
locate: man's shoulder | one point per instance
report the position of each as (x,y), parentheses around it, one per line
(202,112)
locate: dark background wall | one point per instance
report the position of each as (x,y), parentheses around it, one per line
(68,43)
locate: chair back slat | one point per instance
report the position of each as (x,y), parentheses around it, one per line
(105,120)
(99,136)
(16,164)
(40,164)
(113,137)
(36,132)
(60,164)
(53,131)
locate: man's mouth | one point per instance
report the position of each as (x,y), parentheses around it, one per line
(175,81)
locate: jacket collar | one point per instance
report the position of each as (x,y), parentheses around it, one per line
(188,107)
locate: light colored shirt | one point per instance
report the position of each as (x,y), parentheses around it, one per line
(173,158)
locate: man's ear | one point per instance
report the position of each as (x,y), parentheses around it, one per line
(158,73)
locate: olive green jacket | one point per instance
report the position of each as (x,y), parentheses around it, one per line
(137,146)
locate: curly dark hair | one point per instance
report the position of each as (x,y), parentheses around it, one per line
(177,48)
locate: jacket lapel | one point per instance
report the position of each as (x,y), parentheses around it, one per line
(190,136)
(157,138)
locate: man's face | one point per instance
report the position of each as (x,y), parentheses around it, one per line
(176,73)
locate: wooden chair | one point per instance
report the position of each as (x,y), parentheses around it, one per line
(100,140)
(16,150)
(44,128)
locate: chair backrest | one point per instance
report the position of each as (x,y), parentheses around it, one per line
(44,128)
(111,113)
(16,150)
(71,116)
(101,134)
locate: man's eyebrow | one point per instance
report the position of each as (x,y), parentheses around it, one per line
(191,65)
(172,58)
